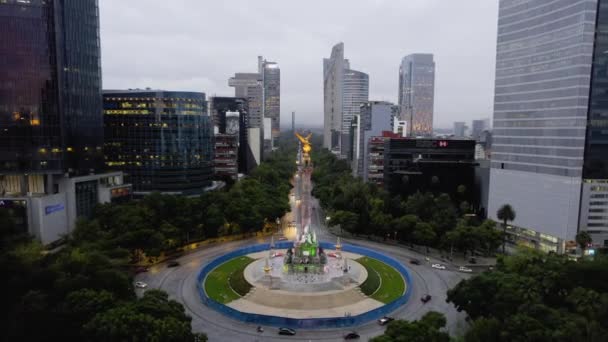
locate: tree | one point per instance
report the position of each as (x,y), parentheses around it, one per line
(346,219)
(405,226)
(505,214)
(583,239)
(428,328)
(424,234)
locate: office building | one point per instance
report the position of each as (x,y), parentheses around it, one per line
(344,90)
(51,142)
(438,165)
(374,118)
(477,127)
(225,162)
(271,79)
(400,127)
(549,151)
(417,93)
(460,129)
(231,115)
(162,140)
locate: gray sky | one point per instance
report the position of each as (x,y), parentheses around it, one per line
(197,45)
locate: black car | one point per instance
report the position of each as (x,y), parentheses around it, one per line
(351,336)
(425,298)
(172,264)
(415,262)
(287,331)
(385,320)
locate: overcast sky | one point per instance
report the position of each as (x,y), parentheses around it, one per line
(197,45)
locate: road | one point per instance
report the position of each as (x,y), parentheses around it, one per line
(180,284)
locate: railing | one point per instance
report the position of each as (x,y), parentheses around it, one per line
(307,323)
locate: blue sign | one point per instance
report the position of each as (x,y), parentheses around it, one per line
(49,209)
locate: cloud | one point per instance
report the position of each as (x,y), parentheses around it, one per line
(198,45)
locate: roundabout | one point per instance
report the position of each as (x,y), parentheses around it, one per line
(344,295)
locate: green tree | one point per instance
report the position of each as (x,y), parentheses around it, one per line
(583,239)
(505,214)
(424,234)
(427,329)
(345,219)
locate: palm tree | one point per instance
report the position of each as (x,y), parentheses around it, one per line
(583,239)
(505,213)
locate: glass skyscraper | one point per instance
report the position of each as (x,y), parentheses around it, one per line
(162,140)
(344,90)
(417,93)
(50,89)
(549,155)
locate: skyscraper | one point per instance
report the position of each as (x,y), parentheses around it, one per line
(459,129)
(417,92)
(51,137)
(549,155)
(50,97)
(478,126)
(271,79)
(344,90)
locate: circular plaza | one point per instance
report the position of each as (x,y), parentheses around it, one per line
(259,284)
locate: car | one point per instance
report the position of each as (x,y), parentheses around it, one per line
(438,266)
(465,269)
(415,262)
(287,331)
(425,298)
(172,263)
(282,238)
(276,254)
(385,320)
(351,336)
(141,285)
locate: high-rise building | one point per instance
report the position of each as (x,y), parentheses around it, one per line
(549,151)
(417,93)
(271,79)
(344,90)
(223,109)
(162,140)
(51,137)
(460,129)
(374,118)
(477,127)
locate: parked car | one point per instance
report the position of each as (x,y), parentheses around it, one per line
(141,285)
(465,269)
(287,331)
(173,263)
(426,298)
(385,320)
(351,336)
(415,262)
(438,266)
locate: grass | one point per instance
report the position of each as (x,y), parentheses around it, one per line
(227,282)
(383,282)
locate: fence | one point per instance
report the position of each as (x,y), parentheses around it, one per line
(308,323)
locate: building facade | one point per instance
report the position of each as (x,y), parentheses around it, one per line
(271,79)
(225,162)
(344,90)
(438,165)
(477,127)
(374,118)
(460,129)
(417,93)
(162,140)
(549,137)
(231,115)
(51,141)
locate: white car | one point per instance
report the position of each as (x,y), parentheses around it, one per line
(141,285)
(465,269)
(438,266)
